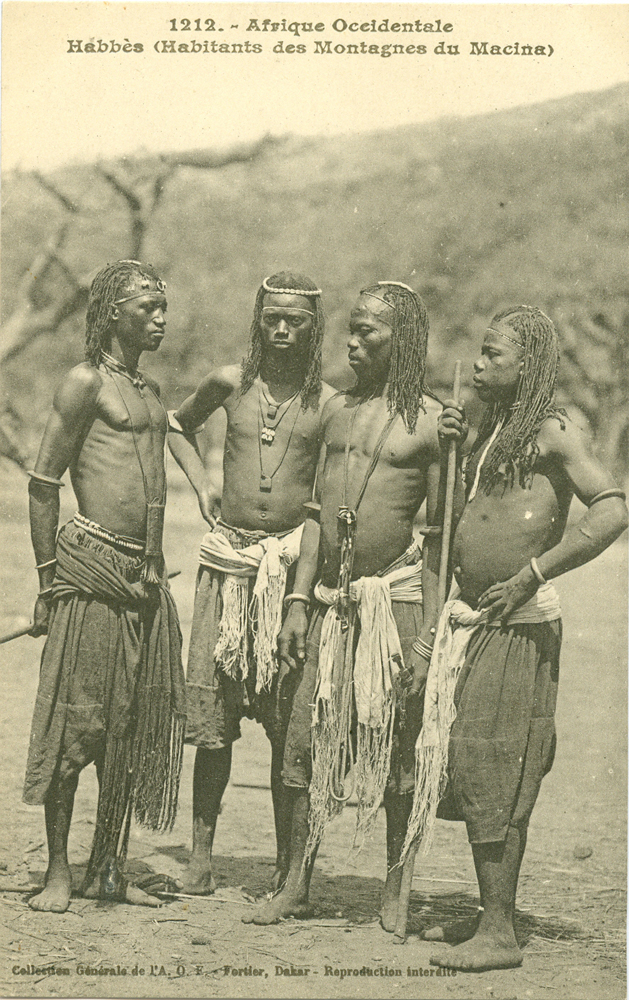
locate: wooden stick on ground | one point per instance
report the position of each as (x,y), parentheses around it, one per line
(409,862)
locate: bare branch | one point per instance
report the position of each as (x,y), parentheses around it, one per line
(47,185)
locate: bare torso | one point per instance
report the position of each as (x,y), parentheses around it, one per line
(107,470)
(499,532)
(396,488)
(289,462)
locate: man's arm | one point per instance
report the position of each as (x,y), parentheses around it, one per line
(72,414)
(211,393)
(601,524)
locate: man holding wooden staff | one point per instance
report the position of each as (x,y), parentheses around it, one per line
(362,659)
(488,725)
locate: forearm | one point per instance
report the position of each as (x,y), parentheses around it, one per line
(308,564)
(44,521)
(598,528)
(185,451)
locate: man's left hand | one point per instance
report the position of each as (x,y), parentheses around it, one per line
(502,599)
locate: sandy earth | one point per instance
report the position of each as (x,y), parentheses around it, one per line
(571,909)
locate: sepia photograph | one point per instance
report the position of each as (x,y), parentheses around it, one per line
(314,452)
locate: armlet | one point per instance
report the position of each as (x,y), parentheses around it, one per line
(615,492)
(174,425)
(314,509)
(39,477)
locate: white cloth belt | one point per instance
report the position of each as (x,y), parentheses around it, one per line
(457,624)
(267,559)
(375,673)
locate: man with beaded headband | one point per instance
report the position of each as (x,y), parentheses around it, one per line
(273,402)
(361,661)
(488,734)
(111,686)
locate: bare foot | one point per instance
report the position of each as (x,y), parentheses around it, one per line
(55,897)
(390,900)
(454,932)
(128,894)
(278,908)
(198,881)
(480,953)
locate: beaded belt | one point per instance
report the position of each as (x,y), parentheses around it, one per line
(97,531)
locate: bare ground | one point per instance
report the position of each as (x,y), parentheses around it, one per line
(571,907)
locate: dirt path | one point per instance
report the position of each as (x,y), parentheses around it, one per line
(571,909)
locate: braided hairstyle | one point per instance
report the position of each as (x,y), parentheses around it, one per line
(111,283)
(407,369)
(250,368)
(515,450)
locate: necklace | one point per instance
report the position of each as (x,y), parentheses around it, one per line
(266,481)
(347,516)
(274,414)
(111,362)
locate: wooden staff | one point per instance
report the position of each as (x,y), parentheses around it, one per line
(26,628)
(409,861)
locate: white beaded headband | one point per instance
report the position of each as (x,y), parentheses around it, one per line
(309,293)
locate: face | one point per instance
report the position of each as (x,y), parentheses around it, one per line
(370,340)
(140,323)
(286,324)
(497,371)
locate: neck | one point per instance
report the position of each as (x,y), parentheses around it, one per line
(371,388)
(283,372)
(126,355)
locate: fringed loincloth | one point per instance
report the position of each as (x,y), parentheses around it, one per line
(365,680)
(111,689)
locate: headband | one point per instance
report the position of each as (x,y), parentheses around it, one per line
(499,333)
(145,285)
(309,293)
(292,308)
(398,284)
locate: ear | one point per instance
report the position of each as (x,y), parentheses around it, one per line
(114,312)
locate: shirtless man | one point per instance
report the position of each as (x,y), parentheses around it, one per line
(112,657)
(380,461)
(273,403)
(526,464)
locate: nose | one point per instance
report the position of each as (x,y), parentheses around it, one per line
(159,319)
(479,365)
(352,343)
(282,327)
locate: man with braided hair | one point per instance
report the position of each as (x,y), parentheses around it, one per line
(111,686)
(488,725)
(361,661)
(273,403)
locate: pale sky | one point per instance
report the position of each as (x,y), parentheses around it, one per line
(61,107)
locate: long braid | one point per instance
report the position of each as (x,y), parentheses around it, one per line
(407,369)
(109,284)
(250,369)
(515,450)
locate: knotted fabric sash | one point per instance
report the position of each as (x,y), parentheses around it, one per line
(267,559)
(373,678)
(456,626)
(146,702)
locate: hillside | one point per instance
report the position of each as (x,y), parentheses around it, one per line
(521,205)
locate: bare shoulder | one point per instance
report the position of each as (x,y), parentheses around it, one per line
(79,389)
(559,437)
(327,393)
(223,380)
(334,403)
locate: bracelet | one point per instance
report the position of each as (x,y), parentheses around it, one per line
(44,593)
(296,597)
(39,477)
(608,493)
(421,647)
(51,562)
(431,530)
(537,573)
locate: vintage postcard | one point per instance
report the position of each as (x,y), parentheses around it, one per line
(241,242)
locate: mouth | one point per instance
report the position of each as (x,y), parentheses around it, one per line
(353,359)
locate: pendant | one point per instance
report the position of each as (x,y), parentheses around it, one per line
(271,412)
(266,483)
(347,516)
(267,435)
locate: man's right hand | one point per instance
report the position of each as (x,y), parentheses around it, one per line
(452,424)
(41,615)
(209,505)
(291,642)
